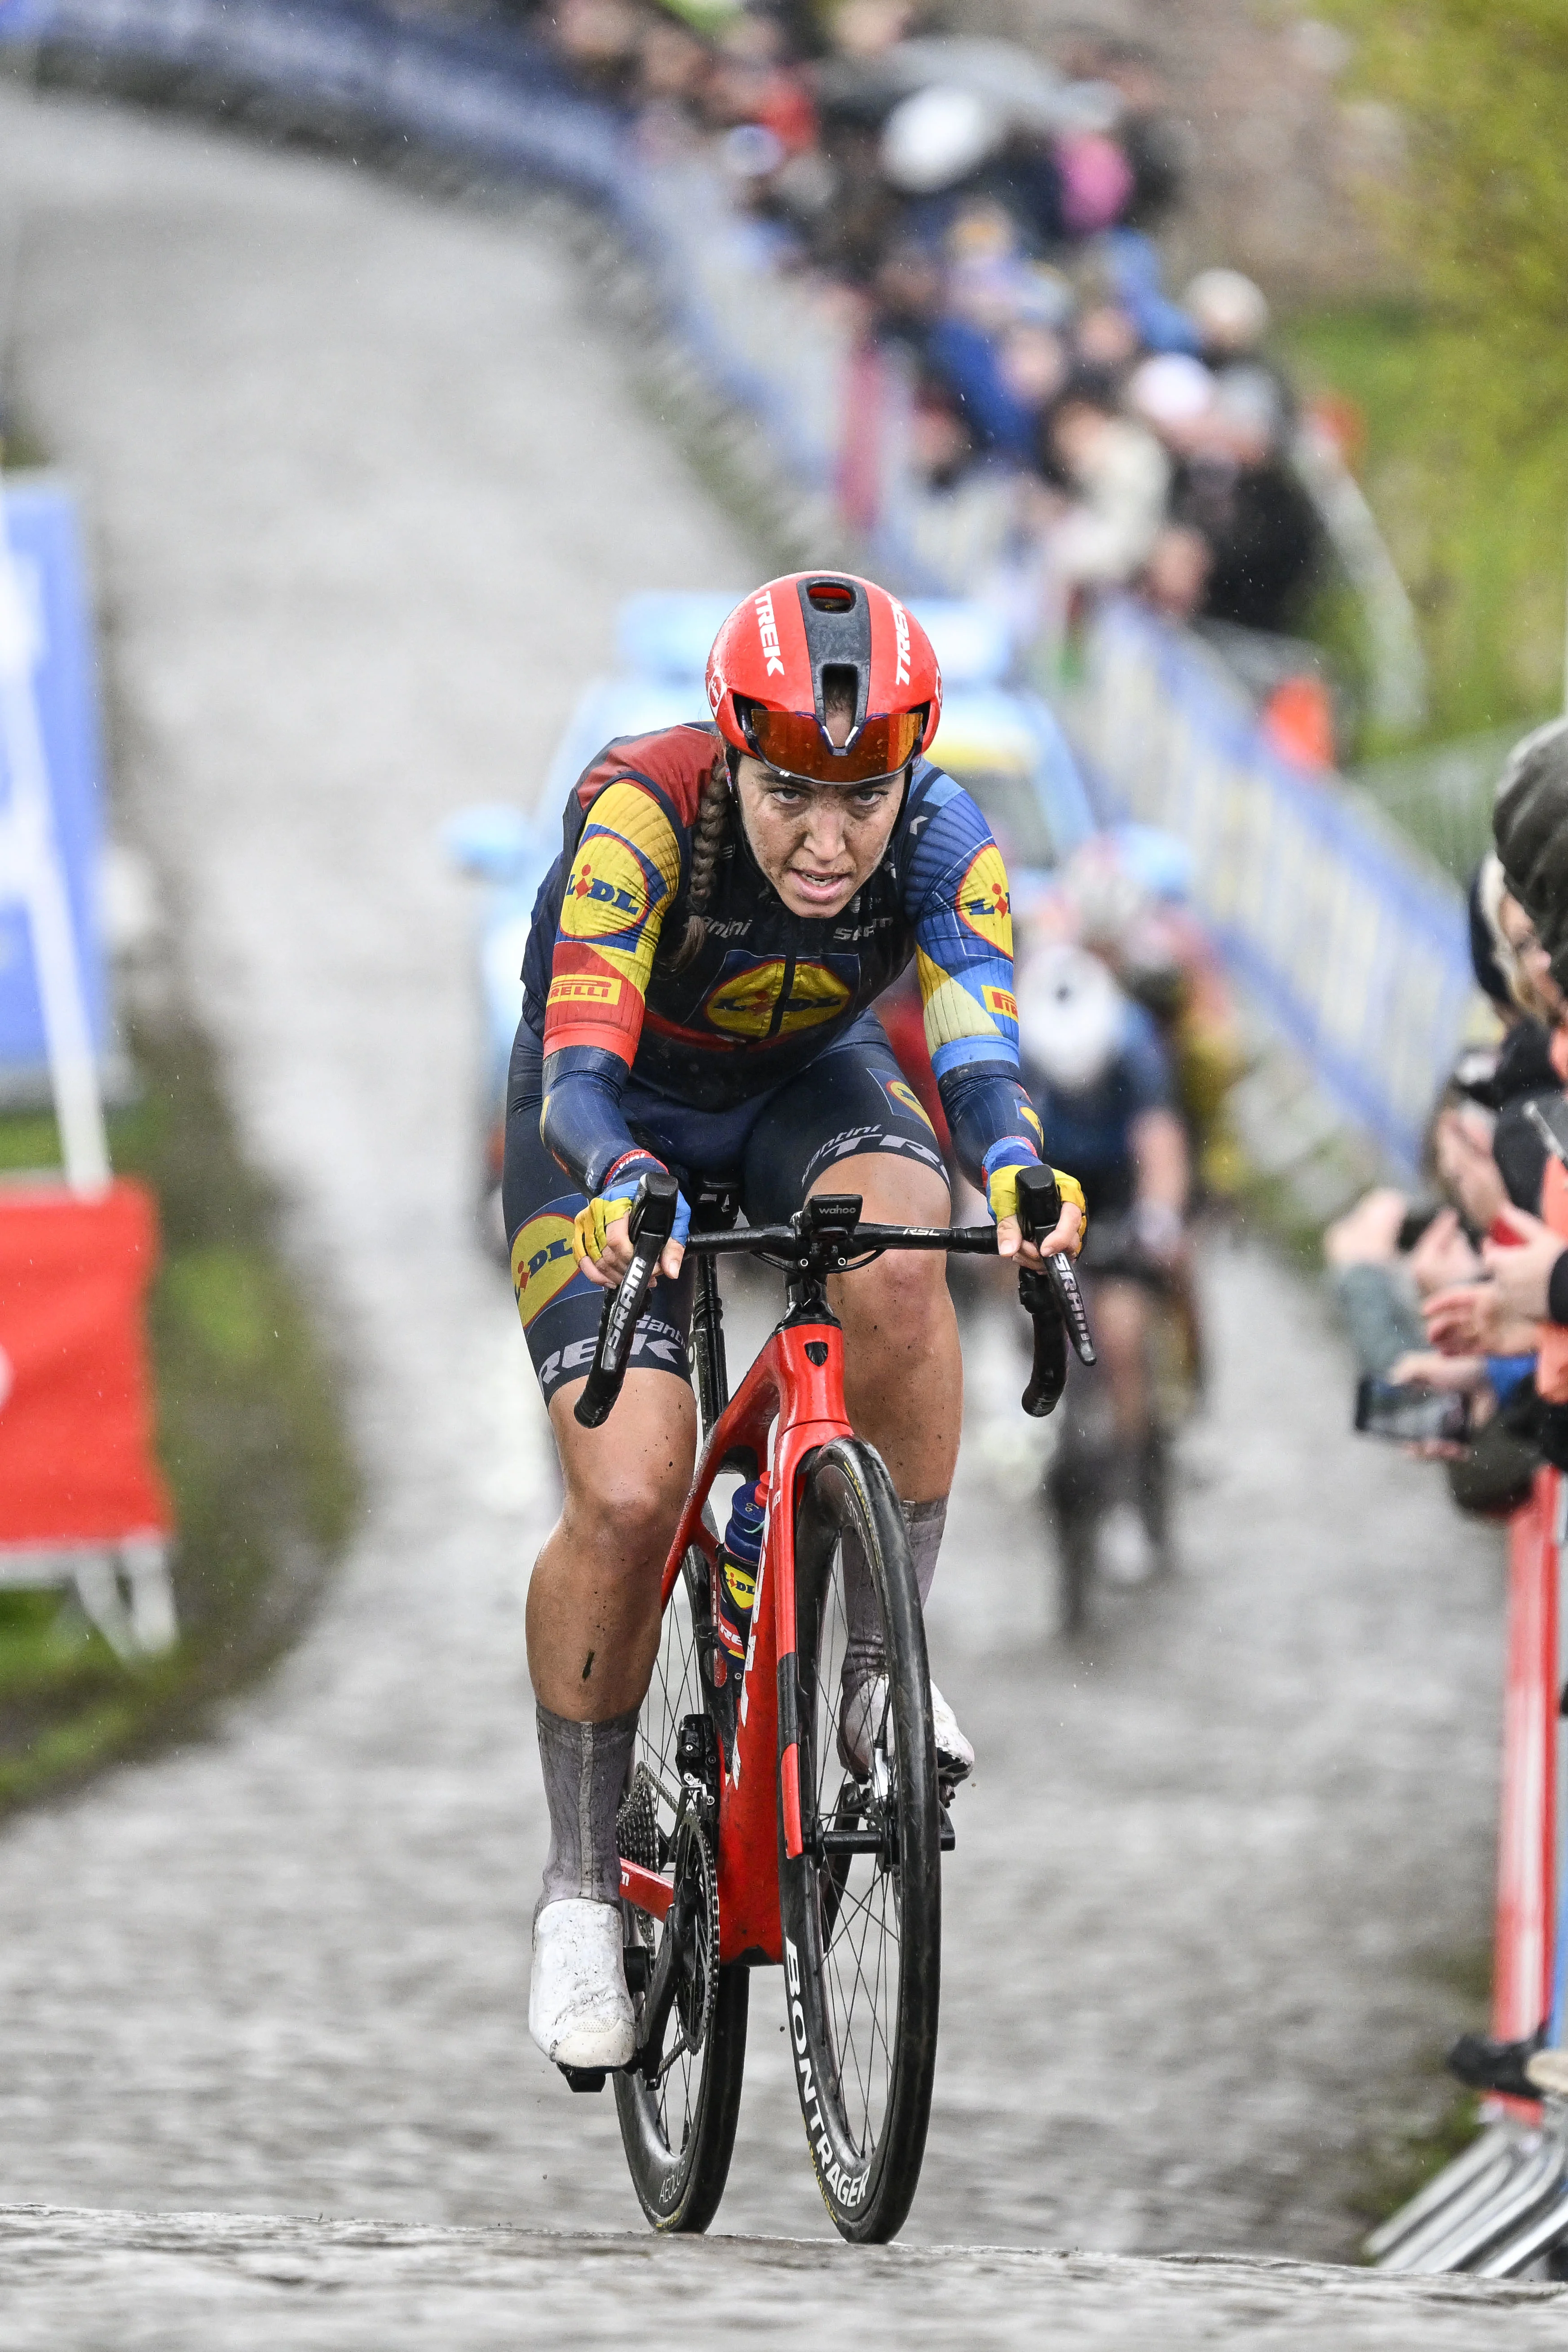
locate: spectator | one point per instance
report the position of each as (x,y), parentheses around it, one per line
(1531,824)
(989,216)
(1235,488)
(1119,482)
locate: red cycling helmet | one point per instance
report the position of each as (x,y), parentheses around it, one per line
(810,638)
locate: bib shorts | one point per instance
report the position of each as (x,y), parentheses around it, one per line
(853,1098)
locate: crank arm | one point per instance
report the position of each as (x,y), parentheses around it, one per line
(660,1994)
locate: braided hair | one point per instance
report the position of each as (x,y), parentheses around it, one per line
(708,835)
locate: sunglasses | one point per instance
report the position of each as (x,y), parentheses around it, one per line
(796,744)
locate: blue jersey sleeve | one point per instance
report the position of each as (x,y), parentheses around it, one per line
(958,901)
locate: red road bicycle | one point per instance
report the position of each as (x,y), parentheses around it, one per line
(749,1834)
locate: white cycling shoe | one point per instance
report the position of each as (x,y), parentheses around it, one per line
(860,1714)
(579,2010)
(954,1756)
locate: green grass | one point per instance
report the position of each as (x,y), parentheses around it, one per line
(1401,2164)
(1477,527)
(1398,2160)
(249,1435)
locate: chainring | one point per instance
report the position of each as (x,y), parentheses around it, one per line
(697,1982)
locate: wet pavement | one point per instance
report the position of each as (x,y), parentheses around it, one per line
(249,2285)
(366,477)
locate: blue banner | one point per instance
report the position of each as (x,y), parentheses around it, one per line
(41,526)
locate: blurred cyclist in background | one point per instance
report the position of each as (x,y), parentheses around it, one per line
(1125,895)
(1103,1083)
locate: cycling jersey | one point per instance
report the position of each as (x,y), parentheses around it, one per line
(1090,1129)
(634,1033)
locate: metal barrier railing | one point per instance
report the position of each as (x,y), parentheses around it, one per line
(1499,2207)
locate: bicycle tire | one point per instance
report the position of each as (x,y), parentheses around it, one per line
(864,2045)
(679,2134)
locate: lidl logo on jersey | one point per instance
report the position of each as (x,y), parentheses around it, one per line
(898,1090)
(769,998)
(543,1263)
(606,891)
(1000,1002)
(983,900)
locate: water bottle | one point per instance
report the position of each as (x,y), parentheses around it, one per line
(739,1558)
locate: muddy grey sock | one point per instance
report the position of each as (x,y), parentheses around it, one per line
(863,1652)
(586,1766)
(925,1522)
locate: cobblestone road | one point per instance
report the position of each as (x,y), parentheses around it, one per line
(366,480)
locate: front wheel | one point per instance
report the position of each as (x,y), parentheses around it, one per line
(862,1905)
(677,2111)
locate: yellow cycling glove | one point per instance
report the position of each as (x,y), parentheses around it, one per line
(591,1225)
(1002,1195)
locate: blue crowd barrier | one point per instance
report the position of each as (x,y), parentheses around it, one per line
(1358,951)
(41,529)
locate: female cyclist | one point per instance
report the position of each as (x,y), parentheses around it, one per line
(729,900)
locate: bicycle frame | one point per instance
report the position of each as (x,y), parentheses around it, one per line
(793,1393)
(797,1383)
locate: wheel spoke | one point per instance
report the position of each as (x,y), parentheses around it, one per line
(860,1944)
(665,2119)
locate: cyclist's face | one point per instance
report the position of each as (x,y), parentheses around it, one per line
(816,843)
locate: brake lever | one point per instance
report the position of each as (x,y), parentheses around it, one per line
(1048,1372)
(651,1222)
(1052,1297)
(1040,1207)
(1074,1314)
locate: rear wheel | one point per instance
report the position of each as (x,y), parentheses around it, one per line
(678,2109)
(862,1906)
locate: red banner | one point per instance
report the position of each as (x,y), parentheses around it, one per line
(1521,1975)
(76,1420)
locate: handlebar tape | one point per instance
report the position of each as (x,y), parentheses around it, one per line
(1054,1301)
(649,1225)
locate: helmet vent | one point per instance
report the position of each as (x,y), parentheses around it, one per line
(831,595)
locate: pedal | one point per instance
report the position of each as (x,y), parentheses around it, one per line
(585,2078)
(947,1837)
(637,1962)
